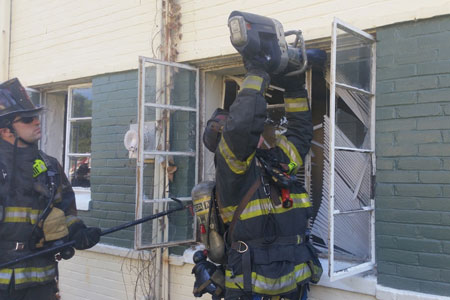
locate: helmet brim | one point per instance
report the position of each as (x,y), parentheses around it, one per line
(31,113)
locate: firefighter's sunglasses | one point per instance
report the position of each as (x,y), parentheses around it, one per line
(27,120)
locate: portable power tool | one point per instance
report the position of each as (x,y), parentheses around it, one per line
(253,35)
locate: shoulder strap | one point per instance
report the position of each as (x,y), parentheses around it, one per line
(242,206)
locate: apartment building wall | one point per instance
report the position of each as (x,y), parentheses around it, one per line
(205,34)
(54,41)
(60,40)
(413,150)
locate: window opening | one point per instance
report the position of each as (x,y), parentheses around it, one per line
(354,127)
(78,142)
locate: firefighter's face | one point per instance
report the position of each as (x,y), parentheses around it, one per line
(28,128)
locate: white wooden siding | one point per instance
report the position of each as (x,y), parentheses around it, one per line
(4,38)
(60,40)
(205,31)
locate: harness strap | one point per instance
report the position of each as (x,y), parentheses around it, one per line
(247,271)
(242,206)
(246,258)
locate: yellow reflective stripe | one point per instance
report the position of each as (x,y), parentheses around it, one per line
(271,286)
(33,274)
(252,82)
(296,104)
(257,207)
(227,213)
(236,165)
(201,205)
(21,215)
(5,276)
(260,207)
(291,151)
(302,200)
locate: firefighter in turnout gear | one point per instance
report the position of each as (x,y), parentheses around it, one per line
(264,208)
(37,203)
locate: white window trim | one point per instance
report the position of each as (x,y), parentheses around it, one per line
(82,195)
(348,272)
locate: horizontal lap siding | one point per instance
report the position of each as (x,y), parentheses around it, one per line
(59,40)
(205,32)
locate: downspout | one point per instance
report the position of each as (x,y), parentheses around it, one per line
(5,42)
(165,53)
(169,33)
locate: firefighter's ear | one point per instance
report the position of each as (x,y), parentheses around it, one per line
(2,132)
(5,133)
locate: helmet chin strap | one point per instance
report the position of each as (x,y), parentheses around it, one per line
(17,137)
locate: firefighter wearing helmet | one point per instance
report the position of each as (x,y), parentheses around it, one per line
(262,207)
(37,203)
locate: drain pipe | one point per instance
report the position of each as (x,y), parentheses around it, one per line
(161,268)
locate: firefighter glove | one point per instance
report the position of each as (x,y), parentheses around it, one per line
(86,238)
(293,84)
(255,64)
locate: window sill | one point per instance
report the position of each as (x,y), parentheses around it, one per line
(362,283)
(82,198)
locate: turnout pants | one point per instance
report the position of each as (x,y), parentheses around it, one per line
(41,292)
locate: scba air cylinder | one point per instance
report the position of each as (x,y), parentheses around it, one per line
(205,211)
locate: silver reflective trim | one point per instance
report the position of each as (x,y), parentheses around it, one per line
(29,273)
(16,214)
(6,275)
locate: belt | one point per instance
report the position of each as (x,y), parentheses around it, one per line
(13,245)
(243,248)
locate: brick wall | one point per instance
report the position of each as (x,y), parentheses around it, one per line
(413,150)
(113,175)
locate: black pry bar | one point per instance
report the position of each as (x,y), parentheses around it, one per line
(57,248)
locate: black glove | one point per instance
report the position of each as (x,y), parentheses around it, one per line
(255,64)
(208,278)
(316,58)
(292,85)
(86,238)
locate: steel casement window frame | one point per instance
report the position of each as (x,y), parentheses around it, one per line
(140,162)
(68,155)
(332,148)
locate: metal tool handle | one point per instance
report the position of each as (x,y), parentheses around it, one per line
(57,248)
